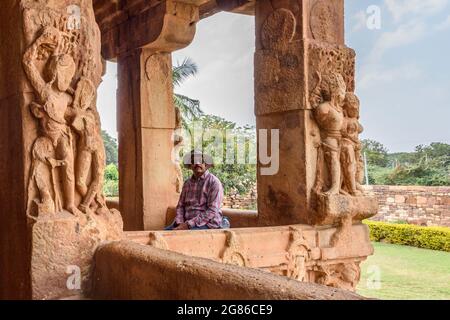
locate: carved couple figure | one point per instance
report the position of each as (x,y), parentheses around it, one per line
(337,113)
(53,151)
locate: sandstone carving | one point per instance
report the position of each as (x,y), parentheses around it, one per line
(157,240)
(341,275)
(323,21)
(53,100)
(298,253)
(336,112)
(178,145)
(68,156)
(351,147)
(232,254)
(278,29)
(329,94)
(63,65)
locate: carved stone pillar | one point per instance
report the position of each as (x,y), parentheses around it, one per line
(304,88)
(52,208)
(146,114)
(146,118)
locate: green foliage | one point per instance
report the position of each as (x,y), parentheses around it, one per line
(435,238)
(190,108)
(427,166)
(111,148)
(377,154)
(424,174)
(225,141)
(111,185)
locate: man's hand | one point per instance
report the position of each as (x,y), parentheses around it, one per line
(182,226)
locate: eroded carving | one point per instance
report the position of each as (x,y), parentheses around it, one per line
(157,240)
(278,30)
(337,115)
(178,145)
(327,100)
(63,66)
(298,253)
(342,275)
(232,254)
(323,21)
(351,159)
(53,100)
(91,152)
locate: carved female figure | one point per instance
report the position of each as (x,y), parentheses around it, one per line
(53,100)
(329,116)
(351,146)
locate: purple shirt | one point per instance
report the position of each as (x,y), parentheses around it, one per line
(200,202)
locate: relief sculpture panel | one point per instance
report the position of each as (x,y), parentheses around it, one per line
(63,65)
(336,113)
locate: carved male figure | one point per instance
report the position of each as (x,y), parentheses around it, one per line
(53,100)
(331,90)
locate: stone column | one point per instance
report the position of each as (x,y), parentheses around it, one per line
(302,70)
(52,209)
(146,118)
(14,237)
(146,114)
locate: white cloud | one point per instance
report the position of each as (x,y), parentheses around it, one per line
(375,74)
(444,25)
(360,21)
(405,34)
(401,8)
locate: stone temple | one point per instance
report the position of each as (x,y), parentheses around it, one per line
(305,242)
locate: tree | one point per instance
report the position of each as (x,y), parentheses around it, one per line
(436,150)
(111,148)
(190,108)
(222,139)
(376,153)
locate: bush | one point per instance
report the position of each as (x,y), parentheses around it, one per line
(435,238)
(111,185)
(111,188)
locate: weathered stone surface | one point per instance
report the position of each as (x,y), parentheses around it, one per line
(419,205)
(63,248)
(297,251)
(305,84)
(330,209)
(52,155)
(303,73)
(149,181)
(161,274)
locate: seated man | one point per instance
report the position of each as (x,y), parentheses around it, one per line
(201,197)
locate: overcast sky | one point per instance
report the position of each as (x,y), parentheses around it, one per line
(403,71)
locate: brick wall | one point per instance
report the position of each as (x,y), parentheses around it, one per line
(428,206)
(234,200)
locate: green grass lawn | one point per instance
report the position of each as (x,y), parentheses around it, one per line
(406,273)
